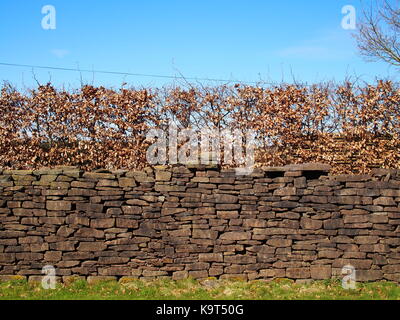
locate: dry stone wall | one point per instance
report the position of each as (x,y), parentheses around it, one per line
(295,222)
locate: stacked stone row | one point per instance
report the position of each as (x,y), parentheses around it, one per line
(294,222)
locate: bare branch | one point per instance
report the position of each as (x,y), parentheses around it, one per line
(378,33)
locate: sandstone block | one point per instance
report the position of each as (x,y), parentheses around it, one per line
(89,232)
(279,243)
(58,205)
(384,201)
(225,198)
(91,246)
(126,182)
(179,275)
(227,214)
(211,257)
(53,256)
(333,224)
(298,273)
(235,235)
(132,209)
(320,272)
(102,223)
(310,224)
(127,223)
(96,279)
(204,234)
(287,191)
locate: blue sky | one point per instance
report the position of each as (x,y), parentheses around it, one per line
(239,40)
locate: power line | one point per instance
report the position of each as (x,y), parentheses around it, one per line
(127,73)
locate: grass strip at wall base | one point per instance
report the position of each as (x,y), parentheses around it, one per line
(209,289)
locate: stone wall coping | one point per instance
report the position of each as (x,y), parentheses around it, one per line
(305,167)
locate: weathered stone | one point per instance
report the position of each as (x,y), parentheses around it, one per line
(203,210)
(7,257)
(63,246)
(351,200)
(333,224)
(131,209)
(74,219)
(58,205)
(329,254)
(390,192)
(107,183)
(30,239)
(320,272)
(200,222)
(163,175)
(280,243)
(308,167)
(204,234)
(225,198)
(355,219)
(272,273)
(115,260)
(240,259)
(82,184)
(59,185)
(198,274)
(126,182)
(211,257)
(98,176)
(351,178)
(394,268)
(298,273)
(89,232)
(314,199)
(91,246)
(153,273)
(126,223)
(310,224)
(180,233)
(227,214)
(82,192)
(179,275)
(96,279)
(53,256)
(379,218)
(12,278)
(102,223)
(254,223)
(288,191)
(113,212)
(384,201)
(89,207)
(285,204)
(369,275)
(172,211)
(228,206)
(235,236)
(366,239)
(136,202)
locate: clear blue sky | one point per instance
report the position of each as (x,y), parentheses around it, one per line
(228,39)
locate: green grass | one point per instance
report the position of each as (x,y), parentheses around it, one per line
(189,289)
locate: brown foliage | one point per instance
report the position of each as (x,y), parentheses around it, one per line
(353,128)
